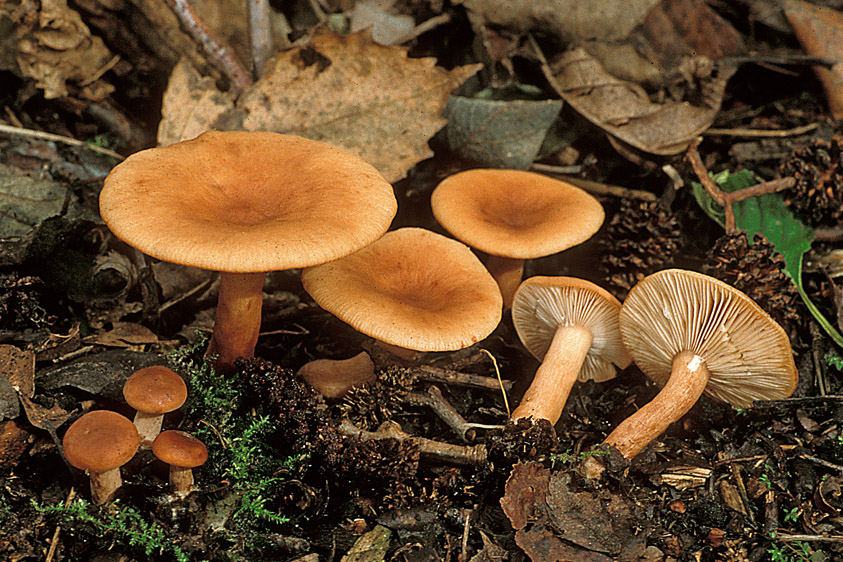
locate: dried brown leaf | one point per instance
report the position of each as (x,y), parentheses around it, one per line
(348,91)
(123,334)
(526,489)
(48,419)
(624,109)
(19,367)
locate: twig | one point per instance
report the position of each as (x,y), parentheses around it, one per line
(596,187)
(747,506)
(260,34)
(821,462)
(762,133)
(21,132)
(218,55)
(829,233)
(54,543)
(445,376)
(727,199)
(434,400)
(423,27)
(807,538)
(463,455)
(804,401)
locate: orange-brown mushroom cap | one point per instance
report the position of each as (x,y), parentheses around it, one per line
(412,288)
(247,202)
(100,441)
(747,353)
(515,214)
(180,449)
(155,390)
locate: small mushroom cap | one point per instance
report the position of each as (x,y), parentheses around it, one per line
(515,214)
(746,351)
(542,304)
(412,288)
(247,202)
(179,448)
(101,440)
(155,390)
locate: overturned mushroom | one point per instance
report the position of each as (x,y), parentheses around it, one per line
(244,204)
(571,325)
(692,334)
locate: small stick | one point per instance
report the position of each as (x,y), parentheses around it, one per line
(218,55)
(598,188)
(727,199)
(446,376)
(821,462)
(809,538)
(434,400)
(463,455)
(736,474)
(21,132)
(54,543)
(260,34)
(762,133)
(423,27)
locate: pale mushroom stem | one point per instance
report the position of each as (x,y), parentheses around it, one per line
(148,426)
(546,397)
(181,479)
(238,318)
(508,272)
(688,379)
(104,485)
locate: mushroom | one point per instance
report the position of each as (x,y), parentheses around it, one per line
(183,452)
(513,215)
(100,442)
(692,334)
(333,378)
(413,288)
(571,326)
(153,392)
(246,203)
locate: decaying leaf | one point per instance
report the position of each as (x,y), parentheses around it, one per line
(344,90)
(48,419)
(567,20)
(820,31)
(499,133)
(370,547)
(19,367)
(122,334)
(553,521)
(191,105)
(349,91)
(624,109)
(55,47)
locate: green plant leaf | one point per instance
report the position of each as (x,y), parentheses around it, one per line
(769,216)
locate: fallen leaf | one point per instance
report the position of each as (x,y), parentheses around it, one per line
(499,133)
(348,91)
(820,31)
(191,105)
(525,491)
(55,47)
(19,367)
(122,334)
(540,543)
(567,20)
(48,419)
(624,110)
(370,547)
(13,442)
(490,552)
(386,28)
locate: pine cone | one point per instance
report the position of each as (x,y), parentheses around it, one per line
(818,193)
(757,270)
(641,239)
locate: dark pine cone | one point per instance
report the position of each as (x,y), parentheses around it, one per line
(757,270)
(818,193)
(641,239)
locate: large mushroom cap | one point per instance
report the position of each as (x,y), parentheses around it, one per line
(247,202)
(746,351)
(412,288)
(542,304)
(99,441)
(515,214)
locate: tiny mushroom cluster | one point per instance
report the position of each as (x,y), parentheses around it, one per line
(246,203)
(102,441)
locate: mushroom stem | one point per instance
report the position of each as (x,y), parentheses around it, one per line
(546,397)
(181,479)
(104,485)
(508,272)
(688,378)
(238,318)
(149,426)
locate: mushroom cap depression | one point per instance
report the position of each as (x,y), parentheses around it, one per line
(101,440)
(155,390)
(515,214)
(412,288)
(179,449)
(746,351)
(247,202)
(542,304)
